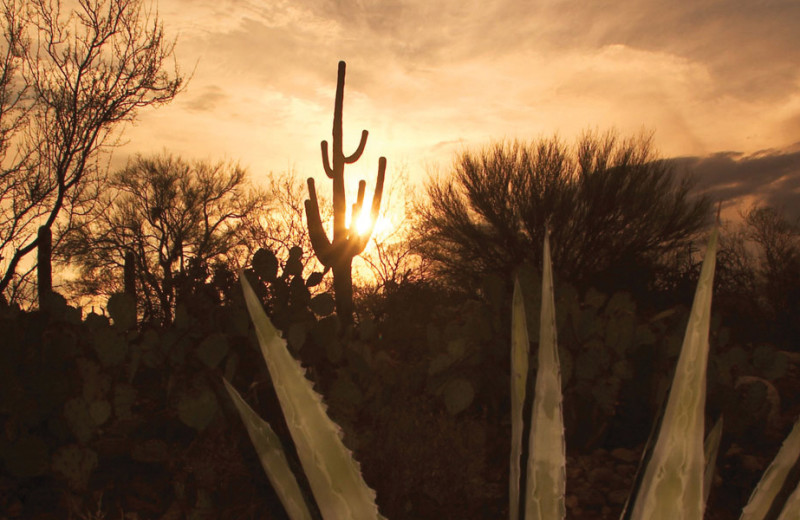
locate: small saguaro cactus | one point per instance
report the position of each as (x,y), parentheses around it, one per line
(347,243)
(129,273)
(44,266)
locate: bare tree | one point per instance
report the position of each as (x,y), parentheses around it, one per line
(281,226)
(69,82)
(392,258)
(177,218)
(777,241)
(777,237)
(757,285)
(607,201)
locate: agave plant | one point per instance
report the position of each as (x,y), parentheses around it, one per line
(334,476)
(674,482)
(546,470)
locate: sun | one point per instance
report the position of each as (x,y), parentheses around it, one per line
(363,223)
(379,228)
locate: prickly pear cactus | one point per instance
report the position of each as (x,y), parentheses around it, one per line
(197,405)
(75,463)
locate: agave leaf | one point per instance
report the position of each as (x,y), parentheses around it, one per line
(792,506)
(711,448)
(273,458)
(647,455)
(520,347)
(544,498)
(672,485)
(334,476)
(773,478)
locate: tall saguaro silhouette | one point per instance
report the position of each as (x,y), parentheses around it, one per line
(347,243)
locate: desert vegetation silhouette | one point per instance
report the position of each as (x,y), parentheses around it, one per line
(123,410)
(613,208)
(69,81)
(176,218)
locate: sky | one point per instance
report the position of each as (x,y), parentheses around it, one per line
(717,81)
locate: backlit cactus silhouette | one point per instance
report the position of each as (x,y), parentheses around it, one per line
(347,243)
(44,265)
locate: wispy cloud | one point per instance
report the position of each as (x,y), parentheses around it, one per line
(707,76)
(770,177)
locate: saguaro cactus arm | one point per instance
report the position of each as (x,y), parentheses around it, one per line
(362,239)
(326,160)
(336,168)
(357,154)
(356,213)
(316,232)
(329,169)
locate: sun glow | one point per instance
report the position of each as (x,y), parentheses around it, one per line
(363,224)
(380,228)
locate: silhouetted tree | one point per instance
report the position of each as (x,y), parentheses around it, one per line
(611,205)
(762,289)
(779,271)
(392,259)
(347,242)
(281,226)
(176,217)
(68,81)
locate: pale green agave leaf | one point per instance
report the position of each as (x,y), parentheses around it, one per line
(544,498)
(791,509)
(273,459)
(520,347)
(710,451)
(772,480)
(333,474)
(672,486)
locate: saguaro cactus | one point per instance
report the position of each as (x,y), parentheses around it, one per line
(44,266)
(129,273)
(347,243)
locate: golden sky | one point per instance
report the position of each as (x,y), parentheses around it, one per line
(718,81)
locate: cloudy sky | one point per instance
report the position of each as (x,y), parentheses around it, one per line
(716,80)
